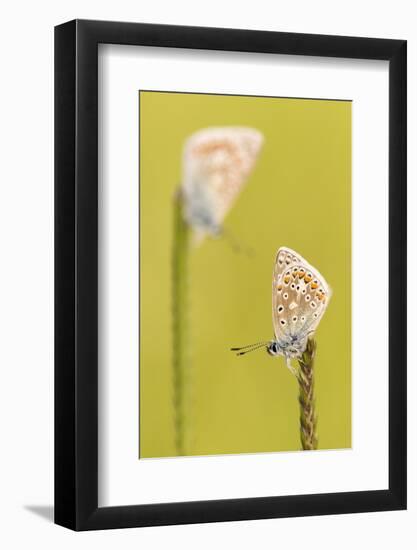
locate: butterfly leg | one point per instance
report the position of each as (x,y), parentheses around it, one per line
(290,367)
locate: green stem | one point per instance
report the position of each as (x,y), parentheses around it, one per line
(180,326)
(308,418)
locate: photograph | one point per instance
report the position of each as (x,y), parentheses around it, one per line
(208,255)
(235,193)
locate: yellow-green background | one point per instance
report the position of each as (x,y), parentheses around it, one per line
(299,195)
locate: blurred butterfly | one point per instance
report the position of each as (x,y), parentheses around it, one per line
(300,296)
(216,164)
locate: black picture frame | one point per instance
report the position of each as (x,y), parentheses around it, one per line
(76,272)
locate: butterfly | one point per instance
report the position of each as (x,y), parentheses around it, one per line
(300,296)
(216,165)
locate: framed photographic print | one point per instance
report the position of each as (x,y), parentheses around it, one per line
(230,253)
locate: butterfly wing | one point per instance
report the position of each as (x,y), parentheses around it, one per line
(300,296)
(216,164)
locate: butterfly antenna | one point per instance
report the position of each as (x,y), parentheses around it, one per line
(236,245)
(249,350)
(249,346)
(246,349)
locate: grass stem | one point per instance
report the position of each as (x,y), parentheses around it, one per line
(308,417)
(180,324)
